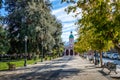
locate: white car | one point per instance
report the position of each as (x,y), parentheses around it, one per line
(114,56)
(107,54)
(119,56)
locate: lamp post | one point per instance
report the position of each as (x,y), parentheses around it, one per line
(42,52)
(42,45)
(57,50)
(25,61)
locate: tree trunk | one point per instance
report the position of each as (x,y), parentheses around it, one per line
(116,45)
(101,61)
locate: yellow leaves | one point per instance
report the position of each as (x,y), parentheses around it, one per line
(116,34)
(83,43)
(100,24)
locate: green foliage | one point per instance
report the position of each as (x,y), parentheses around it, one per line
(99,25)
(4,43)
(100,17)
(18,63)
(33,19)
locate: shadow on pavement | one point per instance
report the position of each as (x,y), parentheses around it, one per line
(103,73)
(49,71)
(45,75)
(90,67)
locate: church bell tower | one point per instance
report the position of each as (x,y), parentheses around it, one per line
(69,48)
(71,40)
(71,44)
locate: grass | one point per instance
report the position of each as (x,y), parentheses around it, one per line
(3,66)
(18,63)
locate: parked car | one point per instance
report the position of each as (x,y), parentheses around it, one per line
(107,54)
(119,56)
(114,56)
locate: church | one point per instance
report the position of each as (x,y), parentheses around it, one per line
(69,48)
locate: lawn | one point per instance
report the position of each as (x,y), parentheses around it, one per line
(18,63)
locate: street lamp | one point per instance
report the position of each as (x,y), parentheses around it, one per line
(42,52)
(42,45)
(25,61)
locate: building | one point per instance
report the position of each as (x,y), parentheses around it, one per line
(69,48)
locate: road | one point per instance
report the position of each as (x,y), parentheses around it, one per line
(64,68)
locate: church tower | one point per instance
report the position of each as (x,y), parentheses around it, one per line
(69,48)
(71,44)
(71,40)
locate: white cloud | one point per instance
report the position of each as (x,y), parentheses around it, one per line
(65,36)
(68,25)
(66,18)
(67,21)
(62,15)
(69,29)
(56,11)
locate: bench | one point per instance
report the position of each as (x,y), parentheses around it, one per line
(110,66)
(11,66)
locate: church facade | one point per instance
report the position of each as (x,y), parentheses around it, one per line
(69,49)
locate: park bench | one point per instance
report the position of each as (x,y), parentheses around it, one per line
(110,66)
(11,66)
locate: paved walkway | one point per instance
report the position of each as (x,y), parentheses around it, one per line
(64,68)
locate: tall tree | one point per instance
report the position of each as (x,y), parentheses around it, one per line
(102,16)
(31,18)
(4,43)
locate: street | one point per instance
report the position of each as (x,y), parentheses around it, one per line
(63,68)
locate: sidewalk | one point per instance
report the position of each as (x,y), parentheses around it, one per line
(88,71)
(64,68)
(27,69)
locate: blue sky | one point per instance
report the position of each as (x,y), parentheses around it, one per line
(68,21)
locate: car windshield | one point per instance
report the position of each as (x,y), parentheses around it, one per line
(116,54)
(108,53)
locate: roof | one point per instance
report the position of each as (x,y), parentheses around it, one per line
(71,35)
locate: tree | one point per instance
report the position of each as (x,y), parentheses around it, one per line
(31,18)
(101,18)
(4,43)
(47,26)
